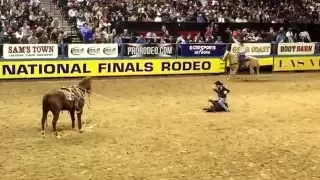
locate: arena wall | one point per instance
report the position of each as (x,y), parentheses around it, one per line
(21,61)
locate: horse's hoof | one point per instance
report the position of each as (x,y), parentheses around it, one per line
(80,130)
(58,136)
(43,135)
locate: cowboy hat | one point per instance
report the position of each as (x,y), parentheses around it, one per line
(218,83)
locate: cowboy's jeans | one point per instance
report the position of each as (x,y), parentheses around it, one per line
(222,102)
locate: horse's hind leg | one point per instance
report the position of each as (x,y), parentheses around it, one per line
(54,123)
(44,120)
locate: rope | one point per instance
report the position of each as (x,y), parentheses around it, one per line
(103,97)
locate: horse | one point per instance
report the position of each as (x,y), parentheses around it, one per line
(250,62)
(71,99)
(215,107)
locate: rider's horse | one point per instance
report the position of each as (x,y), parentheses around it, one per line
(70,99)
(250,62)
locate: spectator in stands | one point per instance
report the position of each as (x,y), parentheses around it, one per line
(55,23)
(88,35)
(189,39)
(209,39)
(219,40)
(181,40)
(141,40)
(158,18)
(33,39)
(289,35)
(198,38)
(53,38)
(171,40)
(281,37)
(304,36)
(98,13)
(117,40)
(21,21)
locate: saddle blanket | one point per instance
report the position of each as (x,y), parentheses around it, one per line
(68,93)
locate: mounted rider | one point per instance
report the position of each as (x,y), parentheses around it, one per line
(241,53)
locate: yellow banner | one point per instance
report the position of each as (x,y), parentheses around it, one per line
(267,61)
(77,68)
(304,63)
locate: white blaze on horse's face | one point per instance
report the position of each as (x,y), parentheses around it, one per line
(225,55)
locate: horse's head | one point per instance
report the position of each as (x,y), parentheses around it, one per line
(85,84)
(225,56)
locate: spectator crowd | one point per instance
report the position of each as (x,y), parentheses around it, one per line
(25,21)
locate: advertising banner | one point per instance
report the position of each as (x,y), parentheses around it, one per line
(92,50)
(202,49)
(296,48)
(149,50)
(253,49)
(303,63)
(30,51)
(80,68)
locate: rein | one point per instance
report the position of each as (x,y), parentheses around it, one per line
(82,92)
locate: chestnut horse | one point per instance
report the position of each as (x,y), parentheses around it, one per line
(71,99)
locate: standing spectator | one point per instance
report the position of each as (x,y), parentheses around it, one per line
(88,35)
(289,35)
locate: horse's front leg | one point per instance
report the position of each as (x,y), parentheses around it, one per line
(79,114)
(229,76)
(251,70)
(258,71)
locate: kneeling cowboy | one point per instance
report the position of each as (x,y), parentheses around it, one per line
(222,96)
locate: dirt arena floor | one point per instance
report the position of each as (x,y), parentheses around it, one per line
(154,128)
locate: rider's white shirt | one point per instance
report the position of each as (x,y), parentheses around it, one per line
(242,50)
